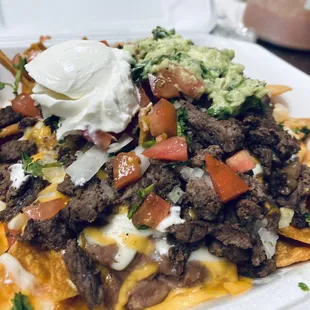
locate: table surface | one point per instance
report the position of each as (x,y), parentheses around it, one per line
(299,59)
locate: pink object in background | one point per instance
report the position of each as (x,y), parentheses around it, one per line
(282,22)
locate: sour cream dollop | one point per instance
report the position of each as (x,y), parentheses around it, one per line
(87,84)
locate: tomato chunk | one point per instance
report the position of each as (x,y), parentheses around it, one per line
(184,80)
(227,184)
(11,235)
(24,104)
(241,162)
(174,148)
(100,138)
(144,99)
(126,169)
(153,210)
(162,88)
(163,119)
(44,210)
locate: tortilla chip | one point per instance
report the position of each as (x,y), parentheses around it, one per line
(289,252)
(302,235)
(277,90)
(48,268)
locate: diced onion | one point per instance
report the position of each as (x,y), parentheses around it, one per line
(18,221)
(176,194)
(145,162)
(269,240)
(188,173)
(286,216)
(87,165)
(117,146)
(2,205)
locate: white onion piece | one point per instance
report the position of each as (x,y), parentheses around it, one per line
(117,146)
(18,221)
(286,216)
(269,240)
(144,161)
(176,194)
(2,205)
(188,173)
(87,165)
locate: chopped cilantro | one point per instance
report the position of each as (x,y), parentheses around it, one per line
(303,286)
(53,122)
(21,302)
(20,69)
(160,33)
(174,164)
(182,127)
(148,144)
(132,211)
(142,227)
(305,130)
(307,216)
(144,192)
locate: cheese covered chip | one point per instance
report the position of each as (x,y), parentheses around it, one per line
(289,252)
(52,277)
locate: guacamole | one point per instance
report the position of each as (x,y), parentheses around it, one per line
(223,80)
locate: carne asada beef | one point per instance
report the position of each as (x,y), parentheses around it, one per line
(198,160)
(16,200)
(204,199)
(147,293)
(8,117)
(5,181)
(236,255)
(104,255)
(190,231)
(248,211)
(227,134)
(88,204)
(178,255)
(84,275)
(67,187)
(263,270)
(27,122)
(11,151)
(256,192)
(51,234)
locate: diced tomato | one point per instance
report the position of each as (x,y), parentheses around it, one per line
(174,148)
(105,43)
(163,119)
(227,184)
(126,169)
(184,80)
(44,210)
(144,98)
(241,162)
(11,235)
(153,210)
(24,104)
(162,88)
(100,138)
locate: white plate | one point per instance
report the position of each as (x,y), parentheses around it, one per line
(280,291)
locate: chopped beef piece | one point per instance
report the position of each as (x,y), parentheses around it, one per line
(190,231)
(195,273)
(263,270)
(236,255)
(178,255)
(67,187)
(233,235)
(84,275)
(258,252)
(273,217)
(5,181)
(263,136)
(199,159)
(68,149)
(24,196)
(248,210)
(163,179)
(87,205)
(256,192)
(147,293)
(265,156)
(203,198)
(287,147)
(51,234)
(104,255)
(11,151)
(8,117)
(111,289)
(27,122)
(299,220)
(225,133)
